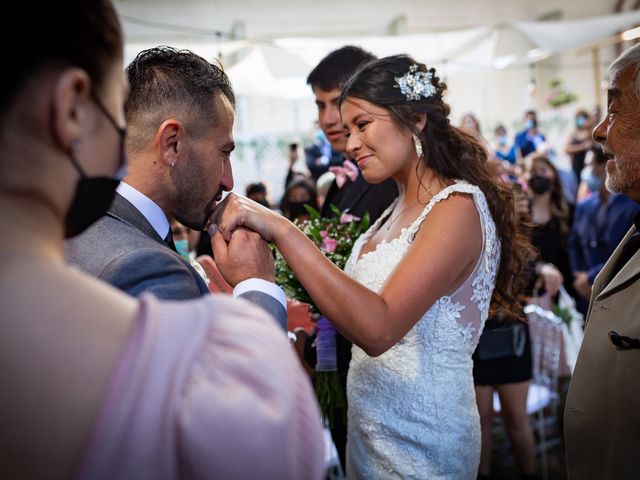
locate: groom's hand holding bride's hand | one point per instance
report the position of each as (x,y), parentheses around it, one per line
(236,211)
(245,256)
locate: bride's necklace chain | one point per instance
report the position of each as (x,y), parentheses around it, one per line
(391,220)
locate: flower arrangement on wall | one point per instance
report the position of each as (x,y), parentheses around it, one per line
(559,95)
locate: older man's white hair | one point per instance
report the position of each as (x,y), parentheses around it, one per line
(630,57)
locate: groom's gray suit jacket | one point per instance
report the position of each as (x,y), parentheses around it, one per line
(123,249)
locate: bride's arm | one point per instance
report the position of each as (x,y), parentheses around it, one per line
(442,255)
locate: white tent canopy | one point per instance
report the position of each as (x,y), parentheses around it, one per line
(278,68)
(562,36)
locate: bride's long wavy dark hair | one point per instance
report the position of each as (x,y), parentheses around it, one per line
(452,154)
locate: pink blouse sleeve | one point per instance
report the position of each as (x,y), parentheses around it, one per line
(247,406)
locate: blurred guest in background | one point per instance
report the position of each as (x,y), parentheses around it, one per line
(600,223)
(258,193)
(529,139)
(320,155)
(579,142)
(300,192)
(503,149)
(183,239)
(470,124)
(550,217)
(296,168)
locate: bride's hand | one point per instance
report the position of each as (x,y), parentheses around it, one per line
(237,211)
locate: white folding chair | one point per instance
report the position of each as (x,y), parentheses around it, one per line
(546,340)
(545,329)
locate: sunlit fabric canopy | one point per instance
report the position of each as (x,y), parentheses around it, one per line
(278,68)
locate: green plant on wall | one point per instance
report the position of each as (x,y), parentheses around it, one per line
(559,95)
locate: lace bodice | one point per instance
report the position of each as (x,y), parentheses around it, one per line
(412,411)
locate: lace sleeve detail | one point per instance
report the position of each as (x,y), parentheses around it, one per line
(485,275)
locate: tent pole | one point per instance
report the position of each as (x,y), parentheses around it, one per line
(595,55)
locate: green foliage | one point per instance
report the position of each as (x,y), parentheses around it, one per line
(559,94)
(332,402)
(563,313)
(333,236)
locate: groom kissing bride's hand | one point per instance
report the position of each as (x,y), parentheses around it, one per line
(238,212)
(240,252)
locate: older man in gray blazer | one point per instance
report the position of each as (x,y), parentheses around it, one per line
(602,413)
(179,139)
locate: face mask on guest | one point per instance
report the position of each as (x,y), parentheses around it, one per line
(93,195)
(182,247)
(593,182)
(539,185)
(503,140)
(580,122)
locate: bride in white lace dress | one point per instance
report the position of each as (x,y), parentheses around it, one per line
(417,288)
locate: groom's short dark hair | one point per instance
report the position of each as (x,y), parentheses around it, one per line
(335,69)
(164,81)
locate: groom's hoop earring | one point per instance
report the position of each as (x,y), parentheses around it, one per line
(418,145)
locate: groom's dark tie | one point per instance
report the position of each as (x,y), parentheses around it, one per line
(169,241)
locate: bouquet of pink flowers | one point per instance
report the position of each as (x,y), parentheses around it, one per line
(335,238)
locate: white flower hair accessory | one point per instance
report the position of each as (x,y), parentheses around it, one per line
(415,84)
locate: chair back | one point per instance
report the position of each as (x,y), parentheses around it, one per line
(546,342)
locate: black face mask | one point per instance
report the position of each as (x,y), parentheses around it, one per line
(539,185)
(296,209)
(93,195)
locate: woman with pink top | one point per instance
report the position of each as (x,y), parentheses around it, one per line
(96,384)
